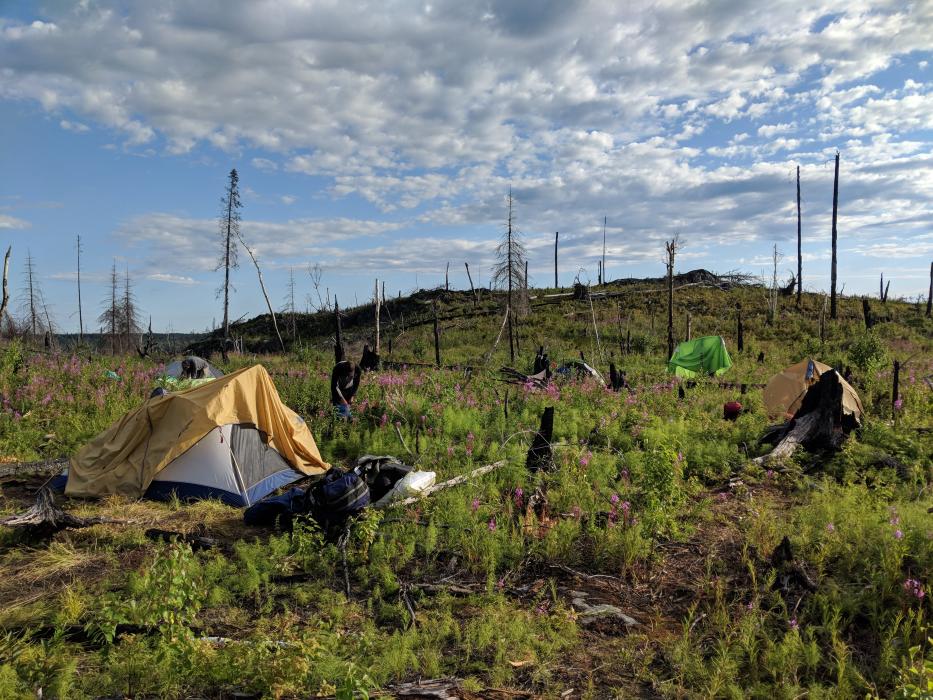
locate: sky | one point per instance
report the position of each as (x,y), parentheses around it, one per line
(381,139)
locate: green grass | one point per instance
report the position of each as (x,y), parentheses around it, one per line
(640,507)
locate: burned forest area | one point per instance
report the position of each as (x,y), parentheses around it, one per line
(690,486)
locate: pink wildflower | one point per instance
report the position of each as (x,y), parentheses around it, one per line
(492,525)
(518,497)
(899,404)
(830,527)
(614,498)
(474,505)
(792,623)
(913,587)
(898,535)
(450,451)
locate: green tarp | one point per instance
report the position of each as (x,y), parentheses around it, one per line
(706,355)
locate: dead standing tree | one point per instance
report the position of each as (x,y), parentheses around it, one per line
(510,272)
(671,248)
(929,294)
(799,254)
(262,286)
(110,317)
(5,301)
(80,311)
(832,288)
(229,229)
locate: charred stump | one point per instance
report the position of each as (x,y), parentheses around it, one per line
(540,455)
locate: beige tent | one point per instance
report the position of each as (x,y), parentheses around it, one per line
(185,435)
(785,391)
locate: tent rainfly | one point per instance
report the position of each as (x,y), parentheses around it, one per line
(784,392)
(701,356)
(231,438)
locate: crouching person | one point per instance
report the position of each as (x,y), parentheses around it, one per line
(344,381)
(194,368)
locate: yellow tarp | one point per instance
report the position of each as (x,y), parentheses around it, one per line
(125,457)
(785,391)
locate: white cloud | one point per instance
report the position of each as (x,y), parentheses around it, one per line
(12,222)
(288,199)
(171,279)
(77,127)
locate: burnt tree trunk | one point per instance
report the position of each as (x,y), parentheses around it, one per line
(832,281)
(866,313)
(895,389)
(437,337)
(799,254)
(556,286)
(739,330)
(339,353)
(5,301)
(472,289)
(929,294)
(539,454)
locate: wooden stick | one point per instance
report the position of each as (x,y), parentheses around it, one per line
(456,481)
(262,286)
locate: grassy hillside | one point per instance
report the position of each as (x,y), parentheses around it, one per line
(655,507)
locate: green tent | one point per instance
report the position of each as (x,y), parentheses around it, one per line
(706,355)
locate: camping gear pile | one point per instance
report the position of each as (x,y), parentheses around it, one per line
(373,482)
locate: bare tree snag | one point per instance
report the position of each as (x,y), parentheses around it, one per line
(447,277)
(80,312)
(671,248)
(437,337)
(5,301)
(262,286)
(602,269)
(929,294)
(832,282)
(895,390)
(866,313)
(470,278)
(799,253)
(557,286)
(739,330)
(338,341)
(377,304)
(689,326)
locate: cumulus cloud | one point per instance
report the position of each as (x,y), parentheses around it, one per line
(666,117)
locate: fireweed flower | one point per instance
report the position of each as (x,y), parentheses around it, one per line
(474,505)
(830,527)
(518,496)
(614,498)
(585,459)
(492,525)
(898,535)
(913,587)
(792,623)
(450,451)
(899,404)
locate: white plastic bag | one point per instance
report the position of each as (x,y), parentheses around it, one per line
(412,484)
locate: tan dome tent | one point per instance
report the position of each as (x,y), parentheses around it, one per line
(785,391)
(231,438)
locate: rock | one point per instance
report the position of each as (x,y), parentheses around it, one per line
(602,611)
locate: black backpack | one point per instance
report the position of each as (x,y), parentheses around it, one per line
(336,497)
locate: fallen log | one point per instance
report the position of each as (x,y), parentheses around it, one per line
(456,481)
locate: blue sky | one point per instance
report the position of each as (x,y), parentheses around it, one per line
(381,140)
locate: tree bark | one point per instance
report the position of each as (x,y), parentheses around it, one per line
(832,287)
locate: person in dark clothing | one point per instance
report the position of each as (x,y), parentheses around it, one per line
(195,368)
(344,381)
